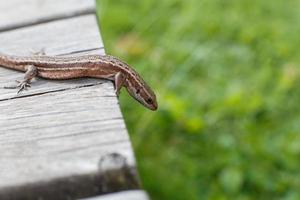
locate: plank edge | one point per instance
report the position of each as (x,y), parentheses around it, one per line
(87,11)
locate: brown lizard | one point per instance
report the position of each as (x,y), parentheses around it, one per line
(95,66)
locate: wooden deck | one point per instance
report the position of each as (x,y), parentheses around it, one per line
(60,139)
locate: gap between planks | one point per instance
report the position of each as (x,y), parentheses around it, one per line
(40,11)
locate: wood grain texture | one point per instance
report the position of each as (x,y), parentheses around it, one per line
(53,137)
(126,195)
(57,37)
(70,36)
(59,134)
(16,13)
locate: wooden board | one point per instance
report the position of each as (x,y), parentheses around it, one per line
(126,195)
(59,135)
(70,36)
(29,131)
(59,140)
(17,13)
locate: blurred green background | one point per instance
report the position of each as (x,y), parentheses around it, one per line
(226,73)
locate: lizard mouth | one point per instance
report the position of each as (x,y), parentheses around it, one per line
(153,106)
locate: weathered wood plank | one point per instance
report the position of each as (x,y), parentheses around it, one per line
(55,136)
(126,195)
(27,134)
(16,13)
(52,136)
(59,37)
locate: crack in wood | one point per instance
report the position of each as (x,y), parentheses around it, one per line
(55,91)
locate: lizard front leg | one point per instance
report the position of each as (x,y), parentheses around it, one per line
(31,72)
(119,82)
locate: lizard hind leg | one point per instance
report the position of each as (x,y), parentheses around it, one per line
(25,83)
(41,52)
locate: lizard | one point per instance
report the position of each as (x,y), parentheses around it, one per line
(93,66)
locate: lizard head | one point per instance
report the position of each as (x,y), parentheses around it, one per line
(144,95)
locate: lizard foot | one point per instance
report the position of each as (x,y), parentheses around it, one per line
(41,52)
(117,93)
(22,85)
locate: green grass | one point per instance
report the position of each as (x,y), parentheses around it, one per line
(226,74)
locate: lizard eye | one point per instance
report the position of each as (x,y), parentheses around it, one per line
(149,101)
(138,91)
